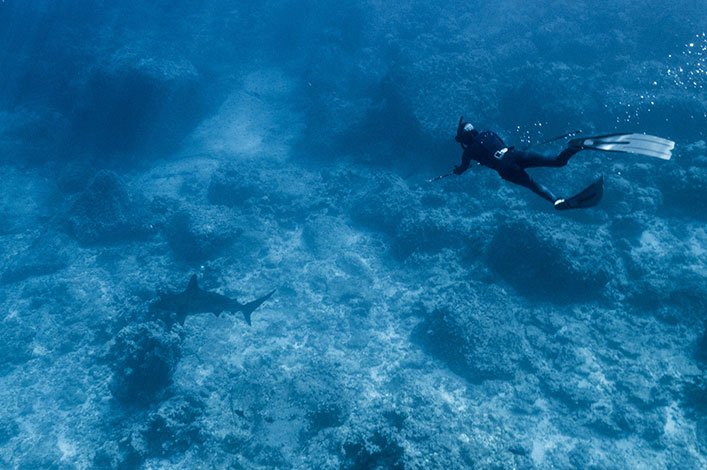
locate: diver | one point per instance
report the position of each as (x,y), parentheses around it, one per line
(488,149)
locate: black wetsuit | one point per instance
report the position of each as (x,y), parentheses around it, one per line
(482,147)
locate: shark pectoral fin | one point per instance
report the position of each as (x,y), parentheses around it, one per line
(193,283)
(250,307)
(180,315)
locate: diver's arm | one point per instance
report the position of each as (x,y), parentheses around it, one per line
(466,161)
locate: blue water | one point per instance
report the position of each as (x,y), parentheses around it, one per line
(286,145)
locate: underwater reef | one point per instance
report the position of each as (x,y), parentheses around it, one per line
(462,323)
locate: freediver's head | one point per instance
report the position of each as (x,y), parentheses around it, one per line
(465,133)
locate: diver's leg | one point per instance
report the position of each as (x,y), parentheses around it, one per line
(527,159)
(541,190)
(520,177)
(566,154)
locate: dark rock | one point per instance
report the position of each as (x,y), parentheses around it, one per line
(695,390)
(379,451)
(701,347)
(15,343)
(684,192)
(233,187)
(143,357)
(552,262)
(324,416)
(383,203)
(47,255)
(478,337)
(323,400)
(431,231)
(107,213)
(103,459)
(136,103)
(174,427)
(8,430)
(201,234)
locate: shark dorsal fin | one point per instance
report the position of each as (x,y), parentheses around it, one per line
(193,284)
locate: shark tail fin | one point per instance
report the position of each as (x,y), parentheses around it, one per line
(250,307)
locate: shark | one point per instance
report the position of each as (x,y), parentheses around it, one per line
(196,300)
